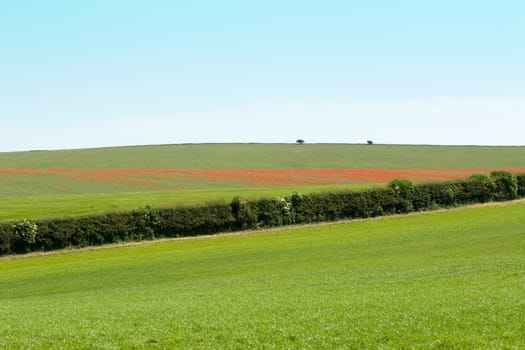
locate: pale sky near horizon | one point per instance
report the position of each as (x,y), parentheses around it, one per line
(77,74)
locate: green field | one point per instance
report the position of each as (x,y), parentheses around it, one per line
(272,156)
(52,206)
(39,196)
(440,280)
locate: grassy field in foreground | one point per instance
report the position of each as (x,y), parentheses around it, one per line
(50,206)
(440,280)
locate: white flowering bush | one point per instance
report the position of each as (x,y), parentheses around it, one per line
(286,208)
(26,231)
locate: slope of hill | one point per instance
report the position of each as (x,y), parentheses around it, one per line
(448,280)
(69,182)
(271,156)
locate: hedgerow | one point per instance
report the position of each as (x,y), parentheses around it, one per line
(400,196)
(520,180)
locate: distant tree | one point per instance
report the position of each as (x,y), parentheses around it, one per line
(370,142)
(300,141)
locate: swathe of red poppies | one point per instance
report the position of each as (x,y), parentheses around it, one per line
(180,179)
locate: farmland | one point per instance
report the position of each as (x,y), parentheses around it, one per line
(198,179)
(42,184)
(446,279)
(270,156)
(450,279)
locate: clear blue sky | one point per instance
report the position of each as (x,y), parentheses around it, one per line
(107,72)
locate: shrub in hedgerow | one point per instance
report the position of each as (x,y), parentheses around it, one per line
(365,204)
(403,194)
(272,212)
(25,235)
(25,231)
(243,215)
(447,195)
(479,188)
(286,211)
(295,201)
(146,223)
(506,185)
(57,234)
(193,221)
(304,208)
(392,203)
(310,209)
(332,207)
(317,207)
(402,187)
(6,237)
(520,179)
(423,197)
(435,195)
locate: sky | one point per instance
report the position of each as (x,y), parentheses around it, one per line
(77,74)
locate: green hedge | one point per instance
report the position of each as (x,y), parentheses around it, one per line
(400,196)
(520,179)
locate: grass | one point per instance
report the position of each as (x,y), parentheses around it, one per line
(440,280)
(41,185)
(50,206)
(272,156)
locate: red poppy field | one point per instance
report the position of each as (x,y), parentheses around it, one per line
(177,179)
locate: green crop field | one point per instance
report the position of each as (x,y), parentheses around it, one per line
(52,206)
(439,280)
(271,156)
